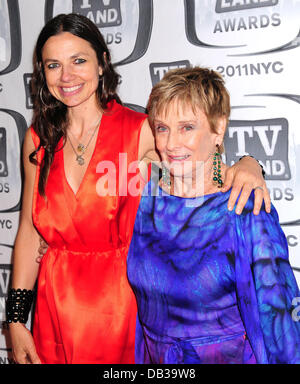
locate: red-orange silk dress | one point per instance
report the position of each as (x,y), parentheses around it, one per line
(85,310)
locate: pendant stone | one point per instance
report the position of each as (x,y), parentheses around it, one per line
(80,148)
(80,160)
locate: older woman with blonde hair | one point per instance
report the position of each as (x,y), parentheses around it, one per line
(211,286)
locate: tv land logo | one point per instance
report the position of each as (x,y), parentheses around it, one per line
(266,140)
(217,24)
(126,25)
(10,36)
(239,5)
(158,70)
(104,13)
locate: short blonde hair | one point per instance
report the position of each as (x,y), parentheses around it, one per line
(198,87)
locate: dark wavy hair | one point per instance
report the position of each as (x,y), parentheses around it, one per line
(50,115)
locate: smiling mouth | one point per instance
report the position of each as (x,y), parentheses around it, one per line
(71,89)
(178,158)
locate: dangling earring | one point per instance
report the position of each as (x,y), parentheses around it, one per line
(217,178)
(166,177)
(41,97)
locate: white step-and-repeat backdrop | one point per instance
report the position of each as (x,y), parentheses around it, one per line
(254,44)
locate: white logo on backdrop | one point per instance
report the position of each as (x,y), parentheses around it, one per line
(267,140)
(238,25)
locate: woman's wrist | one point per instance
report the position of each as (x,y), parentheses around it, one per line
(18,305)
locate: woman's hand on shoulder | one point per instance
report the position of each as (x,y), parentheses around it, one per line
(243,177)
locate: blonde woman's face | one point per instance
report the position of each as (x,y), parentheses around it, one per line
(183,138)
(71,69)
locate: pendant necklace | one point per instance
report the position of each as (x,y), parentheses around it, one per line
(81,148)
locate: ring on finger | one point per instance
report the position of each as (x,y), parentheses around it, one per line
(259,188)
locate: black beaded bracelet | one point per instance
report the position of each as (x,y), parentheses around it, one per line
(262,168)
(18,304)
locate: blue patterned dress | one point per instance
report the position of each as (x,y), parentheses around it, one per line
(211,286)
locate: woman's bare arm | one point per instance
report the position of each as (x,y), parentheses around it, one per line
(25,267)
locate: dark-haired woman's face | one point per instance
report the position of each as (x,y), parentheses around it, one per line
(72,70)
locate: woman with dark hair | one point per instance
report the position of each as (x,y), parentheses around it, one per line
(85,310)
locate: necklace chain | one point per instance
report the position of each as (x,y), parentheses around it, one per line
(82,148)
